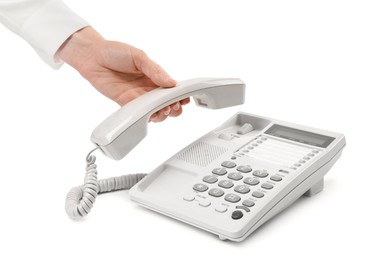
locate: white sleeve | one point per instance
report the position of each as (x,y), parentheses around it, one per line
(44,24)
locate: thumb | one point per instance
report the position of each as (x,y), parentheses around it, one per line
(153,71)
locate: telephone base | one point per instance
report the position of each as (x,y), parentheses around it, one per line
(316,188)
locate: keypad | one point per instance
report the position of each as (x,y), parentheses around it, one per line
(240,185)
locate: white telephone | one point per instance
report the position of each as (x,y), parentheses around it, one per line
(229,181)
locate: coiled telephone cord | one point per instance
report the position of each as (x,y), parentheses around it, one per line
(80,199)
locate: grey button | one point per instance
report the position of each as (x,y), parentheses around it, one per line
(311,154)
(220,171)
(276,178)
(235,176)
(297,164)
(210,179)
(189,198)
(248,203)
(302,161)
(283,171)
(244,168)
(260,173)
(221,208)
(315,151)
(255,144)
(251,181)
(257,194)
(232,198)
(200,187)
(250,147)
(259,141)
(215,192)
(228,164)
(242,189)
(225,184)
(306,158)
(263,138)
(294,168)
(244,208)
(204,203)
(267,186)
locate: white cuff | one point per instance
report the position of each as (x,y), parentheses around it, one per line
(48,28)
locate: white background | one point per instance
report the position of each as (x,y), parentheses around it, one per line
(319,63)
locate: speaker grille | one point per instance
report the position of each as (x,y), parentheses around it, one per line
(201,153)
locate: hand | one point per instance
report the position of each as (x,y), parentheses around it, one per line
(117,70)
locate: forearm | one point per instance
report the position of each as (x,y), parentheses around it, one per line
(78,48)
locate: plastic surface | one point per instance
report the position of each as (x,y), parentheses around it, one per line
(124,129)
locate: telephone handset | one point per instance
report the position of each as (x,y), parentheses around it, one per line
(124,129)
(229,181)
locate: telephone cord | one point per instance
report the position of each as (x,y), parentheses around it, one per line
(80,199)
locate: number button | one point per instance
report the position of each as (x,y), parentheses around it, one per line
(220,171)
(210,179)
(244,168)
(251,181)
(232,198)
(200,187)
(225,184)
(235,176)
(215,192)
(241,189)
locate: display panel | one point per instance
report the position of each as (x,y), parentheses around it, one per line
(300,136)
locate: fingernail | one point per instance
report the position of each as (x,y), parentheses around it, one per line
(171,81)
(167,112)
(176,106)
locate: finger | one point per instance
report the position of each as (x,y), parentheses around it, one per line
(176,110)
(162,114)
(153,71)
(185,101)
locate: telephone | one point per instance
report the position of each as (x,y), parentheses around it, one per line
(229,181)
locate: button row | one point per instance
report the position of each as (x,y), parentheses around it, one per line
(227,184)
(304,159)
(231,197)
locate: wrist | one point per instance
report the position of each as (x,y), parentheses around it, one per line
(78,48)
